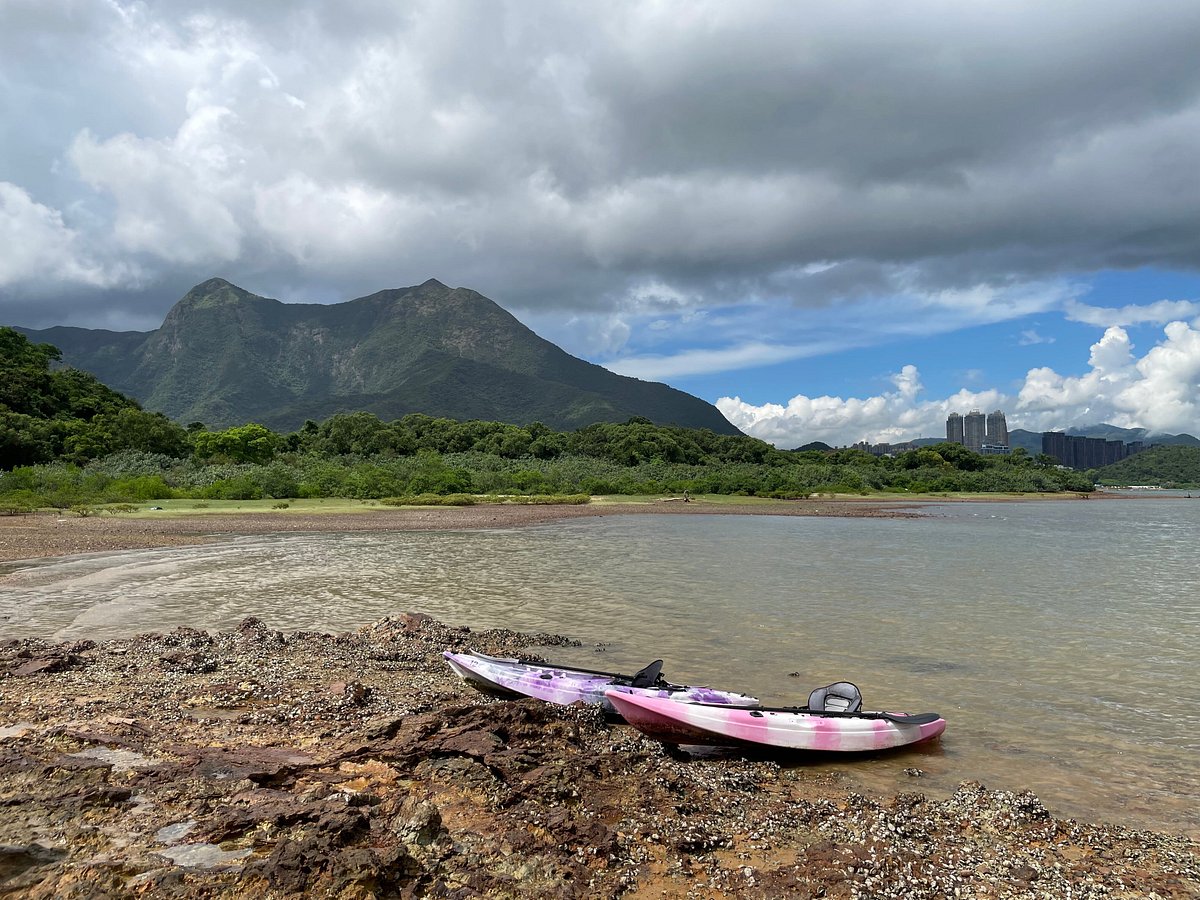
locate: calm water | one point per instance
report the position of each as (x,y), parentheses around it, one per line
(1060,640)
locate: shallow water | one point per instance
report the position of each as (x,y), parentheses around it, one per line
(1060,640)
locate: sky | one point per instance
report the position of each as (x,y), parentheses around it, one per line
(837,222)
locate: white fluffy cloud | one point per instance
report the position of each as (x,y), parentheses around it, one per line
(39,246)
(891,417)
(1159,391)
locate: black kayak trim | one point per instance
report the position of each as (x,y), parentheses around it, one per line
(653,671)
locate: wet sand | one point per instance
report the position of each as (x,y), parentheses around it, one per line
(45,534)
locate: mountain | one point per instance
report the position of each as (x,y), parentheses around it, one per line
(224,356)
(1030,440)
(1166,465)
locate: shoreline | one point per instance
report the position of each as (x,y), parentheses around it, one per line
(250,762)
(41,535)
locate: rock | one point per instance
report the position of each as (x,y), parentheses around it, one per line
(352,691)
(46,664)
(15,860)
(421,827)
(192,662)
(257,764)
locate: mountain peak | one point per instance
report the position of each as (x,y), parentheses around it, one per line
(216,292)
(433,283)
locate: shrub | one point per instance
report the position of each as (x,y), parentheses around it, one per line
(131,463)
(138,489)
(277,480)
(241,488)
(431,500)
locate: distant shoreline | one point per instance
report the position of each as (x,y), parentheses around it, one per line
(55,534)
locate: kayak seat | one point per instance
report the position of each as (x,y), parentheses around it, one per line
(841,696)
(647,676)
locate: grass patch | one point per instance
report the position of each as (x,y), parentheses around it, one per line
(120,508)
(486,499)
(191,506)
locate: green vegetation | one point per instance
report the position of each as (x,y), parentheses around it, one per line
(69,442)
(1168,467)
(66,415)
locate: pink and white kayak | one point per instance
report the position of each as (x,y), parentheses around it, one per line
(565,685)
(783,728)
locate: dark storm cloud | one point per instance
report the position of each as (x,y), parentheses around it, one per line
(568,156)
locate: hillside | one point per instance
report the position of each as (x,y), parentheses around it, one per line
(224,356)
(48,413)
(1168,466)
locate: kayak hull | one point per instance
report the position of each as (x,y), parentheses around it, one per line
(684,723)
(563,685)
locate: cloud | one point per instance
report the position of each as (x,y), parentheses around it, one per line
(891,417)
(860,322)
(1030,337)
(1159,313)
(702,362)
(564,157)
(1157,391)
(39,250)
(171,197)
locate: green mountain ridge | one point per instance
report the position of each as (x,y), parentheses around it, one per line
(1166,465)
(224,356)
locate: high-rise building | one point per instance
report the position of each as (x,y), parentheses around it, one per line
(1054,443)
(974,430)
(954,428)
(997,429)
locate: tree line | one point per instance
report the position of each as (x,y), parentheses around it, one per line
(67,439)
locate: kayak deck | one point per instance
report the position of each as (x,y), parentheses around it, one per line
(565,685)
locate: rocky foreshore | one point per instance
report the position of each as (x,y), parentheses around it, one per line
(256,764)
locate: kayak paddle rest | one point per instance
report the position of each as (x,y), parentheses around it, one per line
(841,696)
